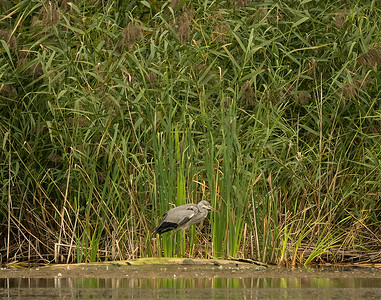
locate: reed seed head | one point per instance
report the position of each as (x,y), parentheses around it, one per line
(371,58)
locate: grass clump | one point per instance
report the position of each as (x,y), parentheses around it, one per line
(112,112)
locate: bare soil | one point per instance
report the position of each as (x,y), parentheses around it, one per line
(185,268)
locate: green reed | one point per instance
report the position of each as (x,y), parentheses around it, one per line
(112,114)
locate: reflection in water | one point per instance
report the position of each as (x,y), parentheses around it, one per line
(192,288)
(189,283)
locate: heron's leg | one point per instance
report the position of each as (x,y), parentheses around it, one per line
(183,244)
(174,242)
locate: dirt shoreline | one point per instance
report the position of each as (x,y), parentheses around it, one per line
(185,268)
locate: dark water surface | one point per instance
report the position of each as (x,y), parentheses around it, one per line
(193,288)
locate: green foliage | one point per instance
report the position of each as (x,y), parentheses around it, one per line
(113,111)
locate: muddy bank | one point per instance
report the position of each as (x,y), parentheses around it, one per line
(184,268)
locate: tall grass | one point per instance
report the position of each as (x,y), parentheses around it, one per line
(112,112)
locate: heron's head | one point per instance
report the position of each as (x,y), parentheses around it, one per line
(206,205)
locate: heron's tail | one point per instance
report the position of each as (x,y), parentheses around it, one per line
(164,227)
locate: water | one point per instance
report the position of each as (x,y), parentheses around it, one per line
(287,287)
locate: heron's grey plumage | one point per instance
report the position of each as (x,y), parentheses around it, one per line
(182,217)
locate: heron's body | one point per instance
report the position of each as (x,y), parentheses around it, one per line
(182,217)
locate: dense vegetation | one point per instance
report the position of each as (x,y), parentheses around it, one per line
(113,111)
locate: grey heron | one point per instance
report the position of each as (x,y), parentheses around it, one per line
(182,217)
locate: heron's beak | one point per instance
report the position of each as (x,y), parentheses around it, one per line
(209,207)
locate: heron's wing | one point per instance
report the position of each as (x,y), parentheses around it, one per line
(176,217)
(187,215)
(181,214)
